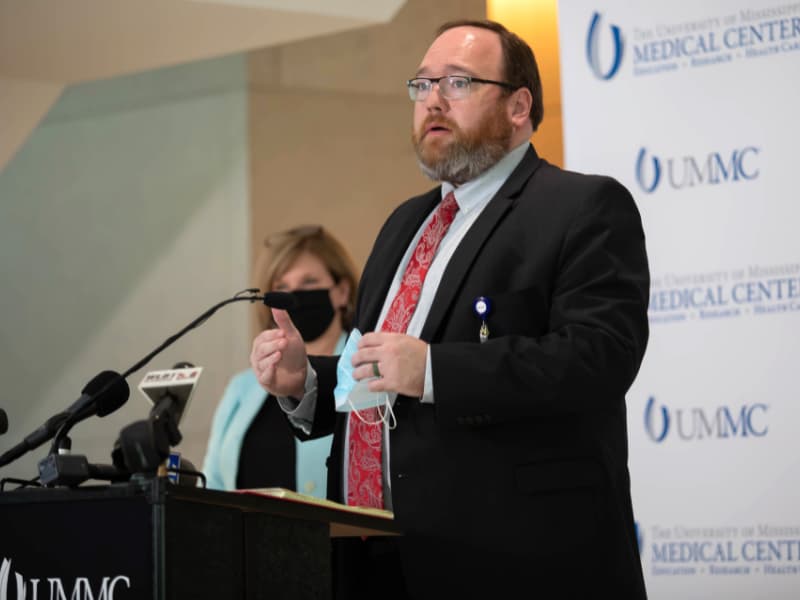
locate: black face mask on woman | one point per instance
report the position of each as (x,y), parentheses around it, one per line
(313,313)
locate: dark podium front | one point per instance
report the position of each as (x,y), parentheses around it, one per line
(151,539)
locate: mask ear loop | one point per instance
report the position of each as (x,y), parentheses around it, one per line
(391,421)
(383,413)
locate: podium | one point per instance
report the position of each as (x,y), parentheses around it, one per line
(149,538)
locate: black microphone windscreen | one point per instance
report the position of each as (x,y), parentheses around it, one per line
(111,389)
(3,421)
(98,382)
(282,300)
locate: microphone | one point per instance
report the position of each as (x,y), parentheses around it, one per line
(73,469)
(170,390)
(104,393)
(3,421)
(107,473)
(143,445)
(282,300)
(104,404)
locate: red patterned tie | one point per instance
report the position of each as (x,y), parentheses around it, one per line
(364,485)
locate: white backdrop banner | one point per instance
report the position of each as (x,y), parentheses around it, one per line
(695,107)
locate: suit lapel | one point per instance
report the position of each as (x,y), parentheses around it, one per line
(395,240)
(473,241)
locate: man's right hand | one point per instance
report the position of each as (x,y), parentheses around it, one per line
(279,358)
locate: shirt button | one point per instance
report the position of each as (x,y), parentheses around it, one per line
(309,487)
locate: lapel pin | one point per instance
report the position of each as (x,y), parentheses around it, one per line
(482,307)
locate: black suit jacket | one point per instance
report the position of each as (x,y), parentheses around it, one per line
(516,477)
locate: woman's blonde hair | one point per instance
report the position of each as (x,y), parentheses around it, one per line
(281,249)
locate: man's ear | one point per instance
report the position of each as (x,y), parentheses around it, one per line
(520,106)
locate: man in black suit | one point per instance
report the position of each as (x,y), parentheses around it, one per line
(507,469)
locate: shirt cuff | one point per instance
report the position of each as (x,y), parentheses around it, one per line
(427,392)
(301,412)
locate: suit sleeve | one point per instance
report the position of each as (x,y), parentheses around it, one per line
(324,419)
(593,338)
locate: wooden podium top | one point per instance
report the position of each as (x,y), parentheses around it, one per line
(338,527)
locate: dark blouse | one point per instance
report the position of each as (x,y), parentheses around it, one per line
(268,456)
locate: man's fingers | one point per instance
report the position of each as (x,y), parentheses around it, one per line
(365,371)
(267,346)
(378,385)
(373,339)
(283,321)
(368,355)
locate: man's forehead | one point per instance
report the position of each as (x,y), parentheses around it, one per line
(471,50)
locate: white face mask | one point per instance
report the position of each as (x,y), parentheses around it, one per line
(352,395)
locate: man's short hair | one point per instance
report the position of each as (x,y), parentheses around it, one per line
(519,64)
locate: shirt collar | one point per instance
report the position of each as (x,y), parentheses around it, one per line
(485,186)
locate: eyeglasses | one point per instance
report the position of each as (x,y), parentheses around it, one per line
(300,232)
(452,87)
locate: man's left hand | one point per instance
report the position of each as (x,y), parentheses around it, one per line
(400,360)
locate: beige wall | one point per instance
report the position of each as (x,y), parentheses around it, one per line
(330,126)
(23,103)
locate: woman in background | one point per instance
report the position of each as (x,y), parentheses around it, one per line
(251,444)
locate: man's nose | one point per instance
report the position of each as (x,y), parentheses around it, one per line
(435,100)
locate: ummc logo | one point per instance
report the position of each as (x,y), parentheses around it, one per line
(647,182)
(53,587)
(593,49)
(657,426)
(703,424)
(689,171)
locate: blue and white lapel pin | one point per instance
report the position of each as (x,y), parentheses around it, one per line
(482,307)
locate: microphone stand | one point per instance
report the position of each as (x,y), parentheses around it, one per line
(252,296)
(72,470)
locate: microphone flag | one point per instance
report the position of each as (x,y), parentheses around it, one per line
(171,384)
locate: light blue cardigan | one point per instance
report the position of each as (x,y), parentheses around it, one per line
(240,404)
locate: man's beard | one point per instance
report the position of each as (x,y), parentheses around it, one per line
(466,155)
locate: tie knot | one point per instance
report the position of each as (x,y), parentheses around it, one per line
(448,207)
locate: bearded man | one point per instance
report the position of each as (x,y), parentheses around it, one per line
(504,317)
